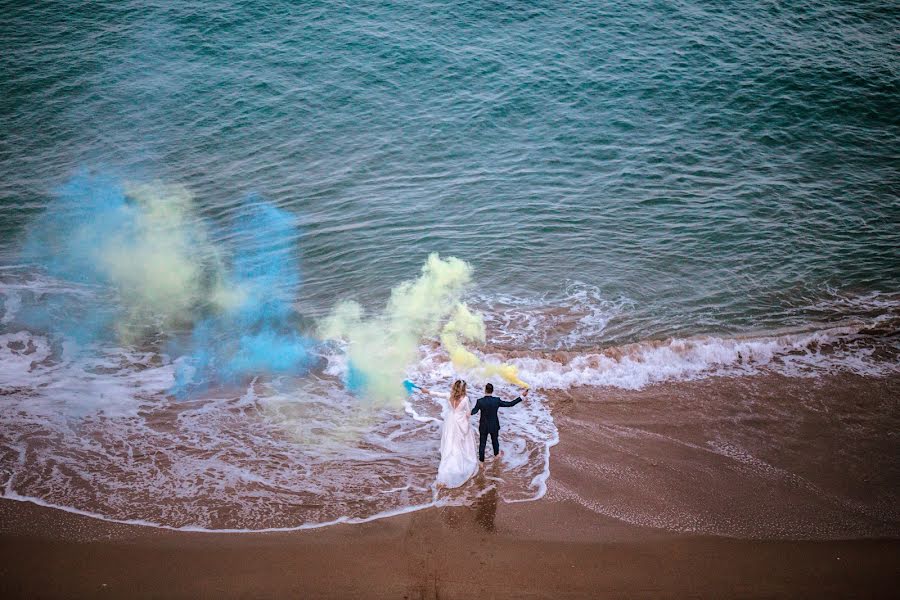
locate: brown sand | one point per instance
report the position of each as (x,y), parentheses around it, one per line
(566,545)
(519,552)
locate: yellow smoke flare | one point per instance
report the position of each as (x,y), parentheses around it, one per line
(380,348)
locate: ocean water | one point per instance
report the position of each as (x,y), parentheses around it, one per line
(645,193)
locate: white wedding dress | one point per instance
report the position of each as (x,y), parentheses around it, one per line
(458,458)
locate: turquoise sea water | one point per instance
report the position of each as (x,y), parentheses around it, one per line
(718,166)
(647,192)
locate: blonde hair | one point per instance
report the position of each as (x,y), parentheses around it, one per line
(457,392)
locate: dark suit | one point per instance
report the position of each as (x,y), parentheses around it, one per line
(489,424)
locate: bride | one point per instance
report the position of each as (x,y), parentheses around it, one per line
(458,460)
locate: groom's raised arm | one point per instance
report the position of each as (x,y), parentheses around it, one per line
(477,406)
(513,403)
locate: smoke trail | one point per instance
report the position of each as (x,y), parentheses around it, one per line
(381,348)
(156,272)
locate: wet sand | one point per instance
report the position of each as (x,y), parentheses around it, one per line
(602,531)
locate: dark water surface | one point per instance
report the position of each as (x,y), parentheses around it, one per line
(723,166)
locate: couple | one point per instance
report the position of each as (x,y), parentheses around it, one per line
(457,440)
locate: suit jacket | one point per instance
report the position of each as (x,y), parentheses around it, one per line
(488,406)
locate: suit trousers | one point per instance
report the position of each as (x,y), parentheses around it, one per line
(482,442)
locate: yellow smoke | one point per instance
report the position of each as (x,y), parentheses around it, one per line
(462,325)
(466,325)
(159,266)
(380,348)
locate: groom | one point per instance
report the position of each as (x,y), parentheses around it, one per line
(490,423)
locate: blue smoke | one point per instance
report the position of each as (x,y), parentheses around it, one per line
(355,381)
(65,241)
(259,333)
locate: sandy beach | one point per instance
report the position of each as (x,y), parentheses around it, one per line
(561,546)
(541,550)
